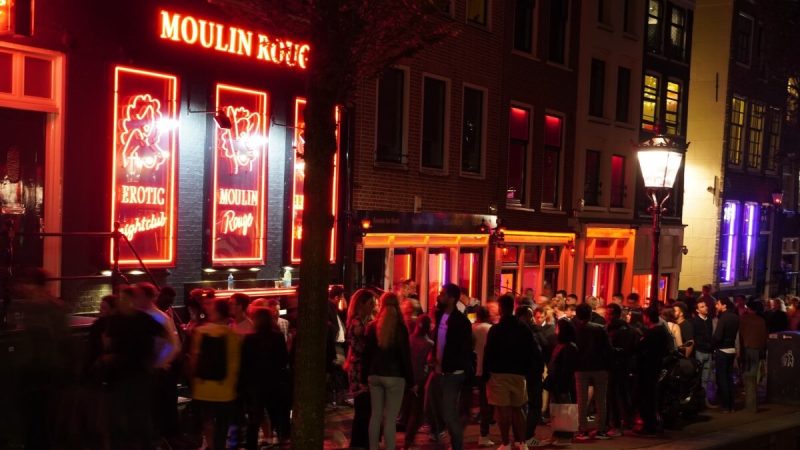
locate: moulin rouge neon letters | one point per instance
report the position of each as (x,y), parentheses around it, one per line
(234,40)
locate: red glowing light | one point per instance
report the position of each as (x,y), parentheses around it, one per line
(298,181)
(5,16)
(143,171)
(238,211)
(234,40)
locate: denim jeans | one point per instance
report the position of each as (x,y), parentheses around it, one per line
(386,395)
(724,369)
(705,374)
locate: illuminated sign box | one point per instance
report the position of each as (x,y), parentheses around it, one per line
(143,173)
(298,181)
(240,175)
(233,40)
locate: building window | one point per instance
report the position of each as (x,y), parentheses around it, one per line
(623,94)
(523,26)
(391,117)
(747,246)
(792,100)
(617,181)
(553,143)
(472,131)
(557,45)
(654,26)
(520,119)
(650,103)
(628,15)
(756,134)
(433,122)
(744,37)
(773,140)
(736,131)
(591,185)
(597,85)
(477,11)
(677,33)
(673,108)
(603,12)
(728,235)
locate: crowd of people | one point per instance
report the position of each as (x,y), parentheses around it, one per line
(502,363)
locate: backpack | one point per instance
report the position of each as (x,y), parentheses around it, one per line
(212,363)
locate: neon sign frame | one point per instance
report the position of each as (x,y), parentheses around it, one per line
(165,219)
(235,161)
(298,182)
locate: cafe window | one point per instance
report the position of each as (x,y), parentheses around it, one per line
(591,183)
(623,94)
(391,117)
(523,25)
(553,146)
(677,33)
(755,135)
(469,271)
(650,94)
(597,87)
(433,122)
(617,181)
(672,114)
(773,140)
(654,24)
(477,12)
(472,131)
(736,130)
(557,33)
(517,155)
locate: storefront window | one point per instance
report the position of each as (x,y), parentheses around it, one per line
(374,267)
(438,270)
(553,255)
(404,266)
(510,255)
(469,271)
(641,286)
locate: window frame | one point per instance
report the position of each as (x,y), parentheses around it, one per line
(404,115)
(658,46)
(622,187)
(533,31)
(627,103)
(525,199)
(678,110)
(731,245)
(487,8)
(773,142)
(681,56)
(755,150)
(656,101)
(739,153)
(559,201)
(565,54)
(446,126)
(597,84)
(737,36)
(599,182)
(484,119)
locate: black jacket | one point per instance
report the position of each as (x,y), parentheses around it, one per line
(654,346)
(265,363)
(510,348)
(777,321)
(624,339)
(545,336)
(727,328)
(394,361)
(458,342)
(561,373)
(703,329)
(594,347)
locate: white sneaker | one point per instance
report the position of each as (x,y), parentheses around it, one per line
(522,446)
(484,441)
(533,442)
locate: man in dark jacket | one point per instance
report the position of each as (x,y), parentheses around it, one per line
(624,340)
(595,353)
(508,360)
(534,378)
(653,347)
(452,360)
(702,328)
(725,344)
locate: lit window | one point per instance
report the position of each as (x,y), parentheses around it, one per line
(677,33)
(650,103)
(774,139)
(523,26)
(433,126)
(728,234)
(654,26)
(553,142)
(747,247)
(754,148)
(743,39)
(477,11)
(472,131)
(792,100)
(559,15)
(673,111)
(391,117)
(736,131)
(518,155)
(617,181)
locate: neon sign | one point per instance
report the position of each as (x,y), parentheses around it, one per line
(233,40)
(143,173)
(240,164)
(298,181)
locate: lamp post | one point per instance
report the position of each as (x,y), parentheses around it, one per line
(660,160)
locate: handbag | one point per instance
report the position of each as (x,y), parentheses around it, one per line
(564,417)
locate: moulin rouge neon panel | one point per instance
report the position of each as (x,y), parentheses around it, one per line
(298,181)
(239,178)
(144,157)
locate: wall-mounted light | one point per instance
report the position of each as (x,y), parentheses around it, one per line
(209,270)
(497,235)
(777,199)
(136,272)
(684,250)
(105,273)
(571,247)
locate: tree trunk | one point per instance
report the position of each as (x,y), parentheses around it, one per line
(310,351)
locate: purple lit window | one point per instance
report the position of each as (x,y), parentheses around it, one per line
(750,217)
(728,232)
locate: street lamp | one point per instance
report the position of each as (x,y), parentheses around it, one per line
(660,160)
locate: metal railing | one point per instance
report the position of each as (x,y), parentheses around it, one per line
(117,237)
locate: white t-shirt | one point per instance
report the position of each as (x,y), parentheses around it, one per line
(480,331)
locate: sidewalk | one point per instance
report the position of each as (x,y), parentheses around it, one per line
(772,427)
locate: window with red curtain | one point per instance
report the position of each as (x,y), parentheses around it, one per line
(617,181)
(553,144)
(519,123)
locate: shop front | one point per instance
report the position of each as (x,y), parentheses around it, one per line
(670,258)
(426,250)
(604,266)
(534,263)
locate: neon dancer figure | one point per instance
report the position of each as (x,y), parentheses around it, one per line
(141,135)
(241,143)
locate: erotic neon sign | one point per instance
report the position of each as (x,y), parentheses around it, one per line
(233,40)
(242,142)
(141,135)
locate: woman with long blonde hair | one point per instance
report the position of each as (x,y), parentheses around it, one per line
(387,359)
(359,315)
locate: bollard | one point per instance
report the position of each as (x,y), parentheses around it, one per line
(750,392)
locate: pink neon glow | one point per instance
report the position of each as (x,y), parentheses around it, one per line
(731,216)
(751,211)
(471,273)
(595,280)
